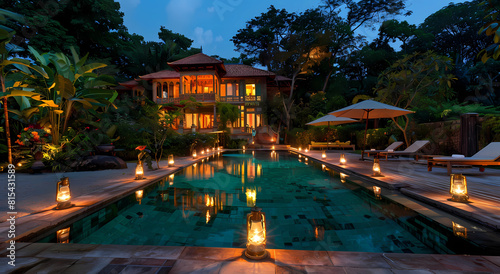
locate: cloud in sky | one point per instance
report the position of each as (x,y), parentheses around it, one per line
(203,37)
(180,13)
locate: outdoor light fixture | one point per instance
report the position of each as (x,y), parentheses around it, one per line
(376,168)
(194,154)
(458,230)
(307,150)
(377,191)
(253,143)
(139,171)
(342,159)
(343,176)
(63,194)
(458,188)
(243,147)
(202,151)
(251,197)
(272,147)
(208,150)
(63,236)
(300,148)
(256,235)
(171,160)
(138,195)
(323,155)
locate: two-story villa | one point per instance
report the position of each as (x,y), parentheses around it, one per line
(208,81)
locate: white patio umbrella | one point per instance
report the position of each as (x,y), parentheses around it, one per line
(370,109)
(330,119)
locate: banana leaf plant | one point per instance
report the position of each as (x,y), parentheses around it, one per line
(13,71)
(71,84)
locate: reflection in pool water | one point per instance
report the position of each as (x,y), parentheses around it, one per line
(306,207)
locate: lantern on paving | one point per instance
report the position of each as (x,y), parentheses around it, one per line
(63,194)
(171,160)
(256,235)
(376,168)
(243,148)
(194,154)
(63,236)
(202,152)
(300,148)
(343,161)
(306,151)
(323,155)
(139,171)
(458,188)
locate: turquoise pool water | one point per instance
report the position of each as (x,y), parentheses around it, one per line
(307,206)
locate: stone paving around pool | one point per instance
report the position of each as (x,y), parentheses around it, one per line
(94,189)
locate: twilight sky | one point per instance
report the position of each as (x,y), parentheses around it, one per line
(212,23)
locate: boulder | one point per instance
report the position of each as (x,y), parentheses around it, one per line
(99,162)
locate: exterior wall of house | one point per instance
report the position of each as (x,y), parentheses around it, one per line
(248,93)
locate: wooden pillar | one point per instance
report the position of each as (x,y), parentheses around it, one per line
(469,134)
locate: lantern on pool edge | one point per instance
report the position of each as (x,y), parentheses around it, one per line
(376,168)
(300,148)
(139,171)
(194,155)
(243,147)
(342,159)
(272,147)
(171,160)
(63,236)
(256,235)
(323,155)
(458,188)
(307,150)
(63,194)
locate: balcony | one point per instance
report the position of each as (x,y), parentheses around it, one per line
(210,98)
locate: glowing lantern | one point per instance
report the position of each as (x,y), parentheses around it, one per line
(300,148)
(343,176)
(307,150)
(63,194)
(213,149)
(256,235)
(323,155)
(171,160)
(63,236)
(139,171)
(194,155)
(218,148)
(138,195)
(377,191)
(458,230)
(272,147)
(251,197)
(376,168)
(243,147)
(458,188)
(253,143)
(202,152)
(323,167)
(208,150)
(342,159)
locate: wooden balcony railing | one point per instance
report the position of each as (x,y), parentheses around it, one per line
(210,98)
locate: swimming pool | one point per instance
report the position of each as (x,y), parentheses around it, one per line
(308,207)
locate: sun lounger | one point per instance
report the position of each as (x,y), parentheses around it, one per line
(488,156)
(392,147)
(412,150)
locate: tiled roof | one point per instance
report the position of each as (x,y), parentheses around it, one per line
(164,74)
(195,59)
(280,78)
(131,83)
(238,70)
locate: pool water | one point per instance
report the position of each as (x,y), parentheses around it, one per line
(307,207)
